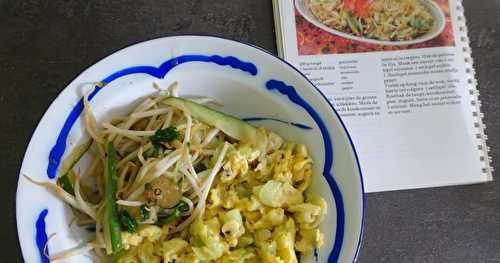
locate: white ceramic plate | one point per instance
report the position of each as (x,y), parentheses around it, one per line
(249,81)
(434,9)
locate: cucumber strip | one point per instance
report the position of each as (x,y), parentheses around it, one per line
(230,125)
(65,180)
(75,156)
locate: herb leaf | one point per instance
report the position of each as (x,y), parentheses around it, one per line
(164,135)
(127,222)
(172,215)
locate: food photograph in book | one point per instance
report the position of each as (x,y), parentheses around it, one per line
(354,26)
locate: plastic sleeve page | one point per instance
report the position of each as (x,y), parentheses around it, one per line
(408,107)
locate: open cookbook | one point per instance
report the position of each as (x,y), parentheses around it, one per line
(400,74)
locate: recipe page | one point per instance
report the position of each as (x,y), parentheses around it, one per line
(411,109)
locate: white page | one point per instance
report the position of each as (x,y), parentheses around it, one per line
(412,125)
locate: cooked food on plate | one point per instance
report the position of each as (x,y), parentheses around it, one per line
(389,20)
(176,181)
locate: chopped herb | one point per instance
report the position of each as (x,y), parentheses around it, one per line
(416,23)
(175,213)
(127,222)
(144,213)
(164,135)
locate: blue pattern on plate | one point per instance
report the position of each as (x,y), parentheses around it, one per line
(41,235)
(292,94)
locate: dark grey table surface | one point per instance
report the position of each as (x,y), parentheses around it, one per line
(45,44)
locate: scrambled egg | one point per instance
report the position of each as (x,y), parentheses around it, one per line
(256,211)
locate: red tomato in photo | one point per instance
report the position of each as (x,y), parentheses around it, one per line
(362,7)
(358,7)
